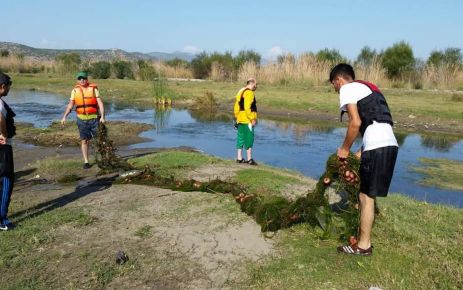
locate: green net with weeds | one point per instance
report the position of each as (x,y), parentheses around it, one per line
(105,154)
(275,212)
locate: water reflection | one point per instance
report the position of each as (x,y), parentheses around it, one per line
(162,115)
(441,143)
(400,137)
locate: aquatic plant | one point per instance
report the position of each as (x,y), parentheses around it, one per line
(105,155)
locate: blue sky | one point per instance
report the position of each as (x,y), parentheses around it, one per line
(268,27)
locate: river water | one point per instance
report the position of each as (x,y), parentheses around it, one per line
(300,146)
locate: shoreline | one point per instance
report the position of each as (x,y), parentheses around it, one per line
(272,103)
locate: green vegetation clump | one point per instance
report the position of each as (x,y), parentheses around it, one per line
(122,70)
(100,70)
(442,173)
(123,133)
(398,60)
(274,212)
(330,55)
(68,63)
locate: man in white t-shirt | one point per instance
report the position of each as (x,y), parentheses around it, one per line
(369,115)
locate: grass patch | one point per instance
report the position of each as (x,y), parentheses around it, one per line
(173,163)
(59,169)
(265,182)
(443,173)
(143,232)
(417,246)
(62,170)
(28,257)
(122,133)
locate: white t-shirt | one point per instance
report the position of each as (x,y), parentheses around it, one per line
(4,113)
(376,135)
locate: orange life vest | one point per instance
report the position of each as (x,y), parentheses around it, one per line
(85,99)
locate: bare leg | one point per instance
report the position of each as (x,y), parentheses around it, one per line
(367,217)
(84,147)
(240,156)
(249,153)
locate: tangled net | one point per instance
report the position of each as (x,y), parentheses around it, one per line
(275,212)
(105,153)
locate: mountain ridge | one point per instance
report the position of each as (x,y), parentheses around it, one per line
(91,54)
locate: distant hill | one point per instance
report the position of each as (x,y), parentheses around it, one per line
(169,56)
(91,54)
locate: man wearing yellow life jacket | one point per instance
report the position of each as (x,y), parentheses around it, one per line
(245,111)
(89,109)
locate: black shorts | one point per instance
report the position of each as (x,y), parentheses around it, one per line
(87,128)
(376,170)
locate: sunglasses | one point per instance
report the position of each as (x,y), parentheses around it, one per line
(81,78)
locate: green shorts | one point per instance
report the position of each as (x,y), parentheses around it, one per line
(245,136)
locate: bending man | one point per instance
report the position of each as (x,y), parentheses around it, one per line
(369,115)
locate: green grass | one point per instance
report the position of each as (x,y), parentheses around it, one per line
(417,246)
(55,168)
(427,106)
(23,249)
(143,232)
(173,163)
(264,181)
(122,133)
(443,173)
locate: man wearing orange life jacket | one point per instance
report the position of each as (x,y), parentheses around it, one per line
(89,109)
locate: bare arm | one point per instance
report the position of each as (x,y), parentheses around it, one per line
(67,111)
(101,109)
(4,133)
(352,130)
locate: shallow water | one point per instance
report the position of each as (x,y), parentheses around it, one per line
(300,146)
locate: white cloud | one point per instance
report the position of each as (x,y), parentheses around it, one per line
(274,52)
(192,49)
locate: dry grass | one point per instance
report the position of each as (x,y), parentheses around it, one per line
(309,70)
(305,69)
(18,64)
(442,77)
(173,72)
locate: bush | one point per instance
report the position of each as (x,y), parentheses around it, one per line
(122,69)
(398,60)
(4,53)
(101,70)
(330,55)
(68,62)
(451,57)
(245,56)
(146,71)
(203,64)
(366,56)
(177,62)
